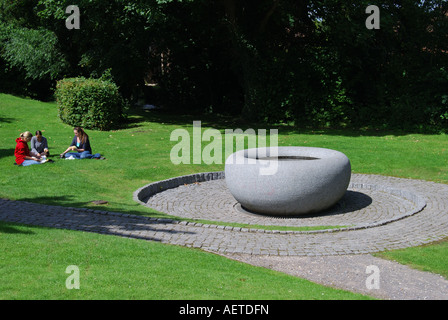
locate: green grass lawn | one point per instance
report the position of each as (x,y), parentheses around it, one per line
(34,262)
(140,154)
(432,258)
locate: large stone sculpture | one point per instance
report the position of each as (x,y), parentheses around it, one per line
(287,181)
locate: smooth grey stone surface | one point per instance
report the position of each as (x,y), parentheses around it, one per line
(287,180)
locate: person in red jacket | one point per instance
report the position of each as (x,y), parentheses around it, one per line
(22,151)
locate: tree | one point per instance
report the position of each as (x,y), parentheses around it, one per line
(36,52)
(114,35)
(313,62)
(395,75)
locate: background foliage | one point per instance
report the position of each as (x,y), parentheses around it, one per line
(307,62)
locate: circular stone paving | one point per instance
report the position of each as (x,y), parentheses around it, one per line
(364,204)
(378,213)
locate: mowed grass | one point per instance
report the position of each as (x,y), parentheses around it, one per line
(432,258)
(139,154)
(35,260)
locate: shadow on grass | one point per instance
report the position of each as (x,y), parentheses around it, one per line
(7,227)
(62,201)
(221,122)
(6,120)
(73,202)
(7,153)
(138,211)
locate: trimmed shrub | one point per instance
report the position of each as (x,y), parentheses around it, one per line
(90,103)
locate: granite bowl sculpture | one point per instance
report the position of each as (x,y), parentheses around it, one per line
(287,181)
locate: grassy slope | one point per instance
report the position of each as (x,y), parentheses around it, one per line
(34,259)
(34,262)
(140,154)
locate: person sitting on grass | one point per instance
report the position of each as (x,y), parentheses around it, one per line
(81,147)
(22,151)
(39,145)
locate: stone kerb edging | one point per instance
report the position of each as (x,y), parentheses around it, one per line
(151,189)
(145,192)
(418,201)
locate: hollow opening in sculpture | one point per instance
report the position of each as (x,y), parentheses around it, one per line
(287,158)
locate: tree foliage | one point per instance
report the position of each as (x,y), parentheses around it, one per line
(36,52)
(312,62)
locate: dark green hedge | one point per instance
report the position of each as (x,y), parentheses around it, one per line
(90,103)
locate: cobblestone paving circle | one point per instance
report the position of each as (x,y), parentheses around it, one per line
(364,205)
(399,213)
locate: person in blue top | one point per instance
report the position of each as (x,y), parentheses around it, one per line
(80,147)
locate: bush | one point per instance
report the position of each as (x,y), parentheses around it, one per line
(91,103)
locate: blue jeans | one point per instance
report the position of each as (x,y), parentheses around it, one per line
(82,155)
(30,162)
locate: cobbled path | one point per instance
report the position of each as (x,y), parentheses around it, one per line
(420,216)
(417,228)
